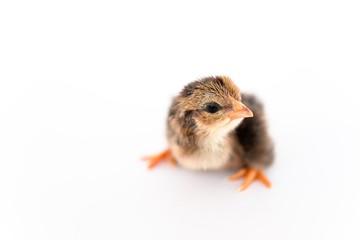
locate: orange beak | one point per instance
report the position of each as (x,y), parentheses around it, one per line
(240,111)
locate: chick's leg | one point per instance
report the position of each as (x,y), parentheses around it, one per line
(155,159)
(250,175)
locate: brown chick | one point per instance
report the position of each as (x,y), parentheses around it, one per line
(211,127)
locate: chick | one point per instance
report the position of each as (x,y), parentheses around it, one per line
(210,127)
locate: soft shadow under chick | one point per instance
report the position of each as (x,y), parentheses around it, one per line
(211,126)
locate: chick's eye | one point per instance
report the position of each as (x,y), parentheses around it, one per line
(212,107)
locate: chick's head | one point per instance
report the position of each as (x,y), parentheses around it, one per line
(213,104)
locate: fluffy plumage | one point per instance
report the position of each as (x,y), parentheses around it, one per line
(202,141)
(210,127)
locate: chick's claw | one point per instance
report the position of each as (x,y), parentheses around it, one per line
(250,174)
(155,159)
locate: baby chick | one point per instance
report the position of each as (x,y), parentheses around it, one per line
(210,127)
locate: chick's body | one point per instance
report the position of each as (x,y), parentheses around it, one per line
(211,126)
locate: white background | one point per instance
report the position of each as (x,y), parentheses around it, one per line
(85,87)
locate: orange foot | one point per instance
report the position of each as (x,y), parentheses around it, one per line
(250,174)
(155,159)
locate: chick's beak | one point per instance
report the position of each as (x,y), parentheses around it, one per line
(240,111)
